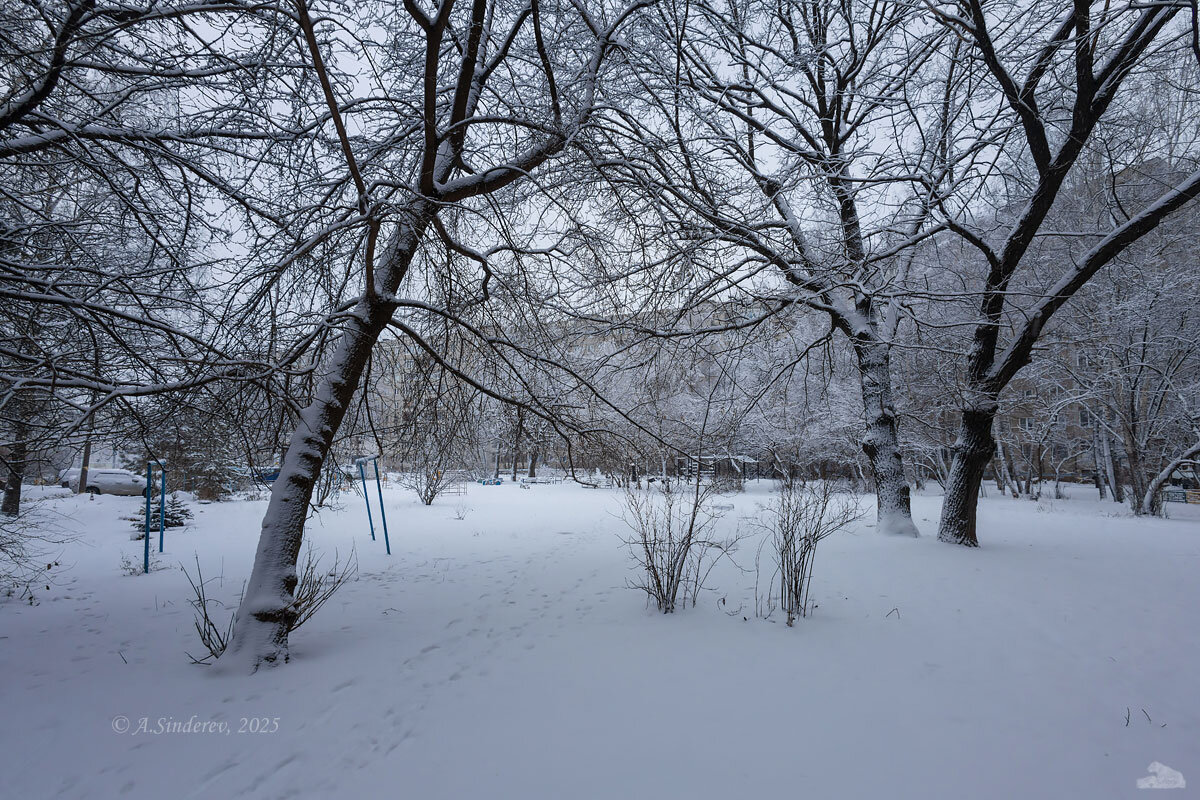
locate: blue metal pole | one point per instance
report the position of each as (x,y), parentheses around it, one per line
(366,496)
(382,515)
(149,486)
(162,507)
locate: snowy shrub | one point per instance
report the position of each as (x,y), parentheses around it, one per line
(440,430)
(673,540)
(313,589)
(215,638)
(800,516)
(136,564)
(429,478)
(315,585)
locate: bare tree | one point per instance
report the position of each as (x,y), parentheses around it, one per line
(755,142)
(1055,75)
(481,125)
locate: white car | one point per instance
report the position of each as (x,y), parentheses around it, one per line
(107,481)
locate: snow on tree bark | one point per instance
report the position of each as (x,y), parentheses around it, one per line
(1151,501)
(881,443)
(268,607)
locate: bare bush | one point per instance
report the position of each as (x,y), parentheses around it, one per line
(429,479)
(800,516)
(26,541)
(317,585)
(214,637)
(313,589)
(673,542)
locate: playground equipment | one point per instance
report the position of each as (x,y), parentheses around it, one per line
(162,510)
(359,462)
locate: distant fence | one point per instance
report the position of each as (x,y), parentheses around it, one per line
(1182,496)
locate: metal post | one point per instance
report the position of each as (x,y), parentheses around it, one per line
(366,496)
(149,487)
(162,507)
(382,515)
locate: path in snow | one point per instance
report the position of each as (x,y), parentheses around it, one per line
(501,656)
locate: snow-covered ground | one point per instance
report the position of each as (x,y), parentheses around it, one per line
(502,656)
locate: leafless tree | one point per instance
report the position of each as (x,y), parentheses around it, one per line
(754,146)
(489,103)
(1055,73)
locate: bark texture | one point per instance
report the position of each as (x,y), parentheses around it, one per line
(15,469)
(881,442)
(268,608)
(973,449)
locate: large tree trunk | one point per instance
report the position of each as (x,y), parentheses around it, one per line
(533,457)
(972,451)
(881,443)
(1139,481)
(268,606)
(15,464)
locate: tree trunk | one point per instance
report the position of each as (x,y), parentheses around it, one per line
(517,441)
(1010,484)
(972,451)
(1012,471)
(15,463)
(1110,465)
(84,463)
(881,443)
(1101,481)
(268,608)
(533,457)
(1152,501)
(1139,482)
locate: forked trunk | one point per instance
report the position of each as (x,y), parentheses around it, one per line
(972,451)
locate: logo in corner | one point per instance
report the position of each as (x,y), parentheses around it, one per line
(1161,777)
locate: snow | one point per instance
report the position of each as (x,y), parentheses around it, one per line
(895,523)
(502,656)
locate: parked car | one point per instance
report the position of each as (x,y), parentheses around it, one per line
(107,481)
